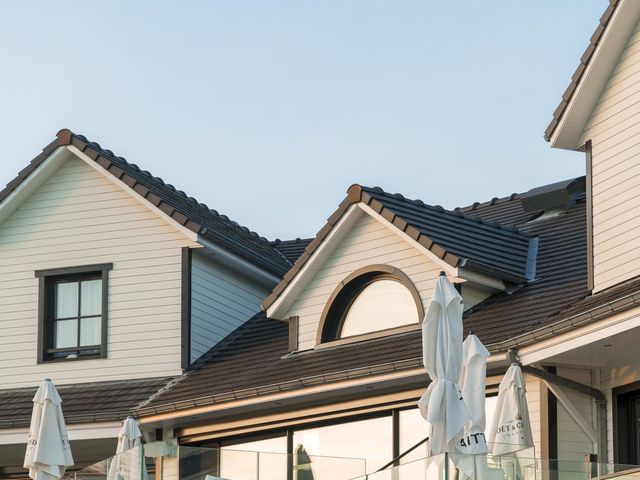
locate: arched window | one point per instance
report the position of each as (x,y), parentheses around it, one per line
(370,300)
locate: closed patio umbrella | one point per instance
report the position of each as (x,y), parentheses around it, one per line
(473,464)
(510,429)
(48,451)
(442,404)
(128,463)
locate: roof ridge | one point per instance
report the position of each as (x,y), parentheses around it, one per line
(487,203)
(192,200)
(457,212)
(508,198)
(294,241)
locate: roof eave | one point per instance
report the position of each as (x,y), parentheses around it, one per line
(607,43)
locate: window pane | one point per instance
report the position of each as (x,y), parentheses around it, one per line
(91,297)
(66,299)
(368,439)
(90,331)
(265,459)
(383,304)
(66,333)
(413,428)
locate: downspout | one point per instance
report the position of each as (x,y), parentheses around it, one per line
(597,395)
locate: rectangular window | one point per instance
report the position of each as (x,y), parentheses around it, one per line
(73,312)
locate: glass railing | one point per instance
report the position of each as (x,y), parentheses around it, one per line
(576,470)
(129,465)
(166,462)
(513,466)
(194,463)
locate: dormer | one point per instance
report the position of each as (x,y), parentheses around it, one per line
(600,115)
(371,270)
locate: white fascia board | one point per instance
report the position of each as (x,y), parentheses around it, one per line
(237,263)
(568,133)
(191,235)
(80,431)
(284,301)
(30,184)
(448,269)
(613,325)
(482,279)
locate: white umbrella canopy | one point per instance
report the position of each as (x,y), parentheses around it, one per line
(473,464)
(510,429)
(442,404)
(48,451)
(129,460)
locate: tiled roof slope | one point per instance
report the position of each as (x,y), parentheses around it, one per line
(292,249)
(458,239)
(101,401)
(185,210)
(479,244)
(577,75)
(230,371)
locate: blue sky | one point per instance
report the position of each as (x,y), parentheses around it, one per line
(267,111)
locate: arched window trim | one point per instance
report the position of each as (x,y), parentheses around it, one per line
(329,327)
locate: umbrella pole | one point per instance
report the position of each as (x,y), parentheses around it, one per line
(446,465)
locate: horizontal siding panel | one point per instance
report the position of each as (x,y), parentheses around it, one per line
(79,217)
(609,275)
(147,228)
(627,171)
(369,242)
(122,216)
(221,301)
(614,130)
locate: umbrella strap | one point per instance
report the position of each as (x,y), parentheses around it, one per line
(406,452)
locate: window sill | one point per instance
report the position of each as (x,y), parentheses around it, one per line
(99,356)
(370,336)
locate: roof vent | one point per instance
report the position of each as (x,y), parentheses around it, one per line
(556,196)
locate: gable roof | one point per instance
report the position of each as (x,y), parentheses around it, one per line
(499,321)
(458,239)
(535,311)
(186,211)
(594,41)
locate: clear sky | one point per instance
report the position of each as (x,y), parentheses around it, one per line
(268,110)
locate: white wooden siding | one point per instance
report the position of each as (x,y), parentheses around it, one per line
(538,418)
(79,217)
(221,301)
(573,443)
(614,130)
(369,242)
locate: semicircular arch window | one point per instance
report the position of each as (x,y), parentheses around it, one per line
(382,304)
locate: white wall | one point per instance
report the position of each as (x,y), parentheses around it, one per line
(537,414)
(221,301)
(79,217)
(614,130)
(368,242)
(573,443)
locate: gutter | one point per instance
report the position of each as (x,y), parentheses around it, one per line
(260,391)
(496,349)
(71,419)
(580,319)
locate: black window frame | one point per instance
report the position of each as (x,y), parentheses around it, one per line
(47,280)
(341,300)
